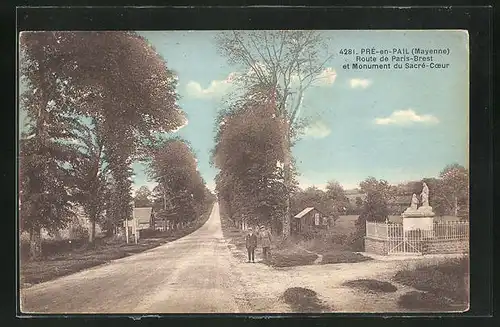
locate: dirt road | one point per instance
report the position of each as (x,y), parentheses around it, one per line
(199,274)
(190,275)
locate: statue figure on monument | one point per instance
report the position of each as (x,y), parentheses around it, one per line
(414,202)
(425,195)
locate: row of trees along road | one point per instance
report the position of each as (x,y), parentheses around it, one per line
(249,146)
(285,64)
(94,102)
(181,193)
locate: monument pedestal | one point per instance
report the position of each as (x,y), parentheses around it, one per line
(419,219)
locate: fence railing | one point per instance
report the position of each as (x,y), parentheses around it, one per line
(454,230)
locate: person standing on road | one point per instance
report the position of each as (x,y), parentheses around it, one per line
(265,237)
(251,244)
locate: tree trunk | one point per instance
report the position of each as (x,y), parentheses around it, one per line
(287,160)
(455,207)
(35,243)
(92,232)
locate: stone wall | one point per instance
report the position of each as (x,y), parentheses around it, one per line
(376,246)
(379,246)
(446,246)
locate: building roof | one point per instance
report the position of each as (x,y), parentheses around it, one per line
(304,212)
(143,215)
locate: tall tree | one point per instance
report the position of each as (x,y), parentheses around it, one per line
(455,187)
(335,192)
(249,154)
(174,166)
(91,174)
(287,63)
(378,194)
(115,78)
(45,179)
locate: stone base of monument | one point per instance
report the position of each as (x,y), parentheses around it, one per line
(419,219)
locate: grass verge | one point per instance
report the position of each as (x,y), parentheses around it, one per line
(343,257)
(371,285)
(303,300)
(106,250)
(446,284)
(424,301)
(291,253)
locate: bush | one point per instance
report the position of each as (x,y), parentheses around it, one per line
(339,239)
(343,257)
(356,241)
(290,257)
(309,235)
(446,279)
(303,300)
(371,285)
(78,232)
(149,233)
(423,301)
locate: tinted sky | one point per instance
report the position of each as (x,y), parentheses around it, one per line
(396,125)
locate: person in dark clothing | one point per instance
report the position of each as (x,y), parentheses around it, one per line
(251,244)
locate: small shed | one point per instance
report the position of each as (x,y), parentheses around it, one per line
(141,219)
(309,219)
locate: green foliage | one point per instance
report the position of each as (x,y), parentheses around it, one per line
(378,193)
(314,197)
(174,167)
(281,66)
(143,197)
(454,189)
(116,81)
(45,163)
(249,144)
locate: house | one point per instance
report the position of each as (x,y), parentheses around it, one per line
(142,218)
(309,219)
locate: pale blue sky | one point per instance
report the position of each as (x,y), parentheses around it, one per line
(345,142)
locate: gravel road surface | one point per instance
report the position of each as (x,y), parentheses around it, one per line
(190,275)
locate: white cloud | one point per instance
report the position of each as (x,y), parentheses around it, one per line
(406,117)
(317,130)
(359,83)
(211,186)
(305,183)
(326,77)
(217,88)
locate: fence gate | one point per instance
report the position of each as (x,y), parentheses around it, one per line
(401,242)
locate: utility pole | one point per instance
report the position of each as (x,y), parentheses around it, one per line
(164,207)
(126,228)
(136,231)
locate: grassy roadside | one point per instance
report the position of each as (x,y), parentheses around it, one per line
(442,286)
(295,252)
(304,300)
(105,250)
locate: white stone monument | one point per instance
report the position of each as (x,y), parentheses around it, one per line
(422,217)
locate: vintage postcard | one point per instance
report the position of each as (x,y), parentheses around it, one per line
(283,171)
